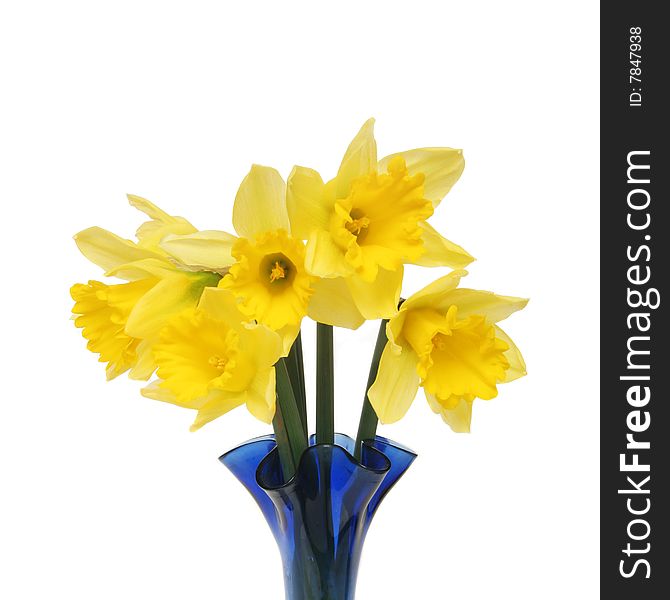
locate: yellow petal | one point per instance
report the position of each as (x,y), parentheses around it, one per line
(150,233)
(430,295)
(441,166)
(140,269)
(146,365)
(287,334)
(263,345)
(261,396)
(440,252)
(323,257)
(394,329)
(458,418)
(156,391)
(396,385)
(359,159)
(309,207)
(151,210)
(260,204)
(476,302)
(333,304)
(218,404)
(168,297)
(221,304)
(379,299)
(203,249)
(420,330)
(108,250)
(517,366)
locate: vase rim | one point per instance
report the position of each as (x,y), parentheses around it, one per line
(312,448)
(341,447)
(261,438)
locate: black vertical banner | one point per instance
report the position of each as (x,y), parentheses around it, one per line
(635,340)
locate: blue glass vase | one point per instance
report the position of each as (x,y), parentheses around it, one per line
(321,515)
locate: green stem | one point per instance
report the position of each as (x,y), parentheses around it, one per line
(325,385)
(367,426)
(292,440)
(296,371)
(283,445)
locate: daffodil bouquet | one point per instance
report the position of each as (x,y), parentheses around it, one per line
(217,317)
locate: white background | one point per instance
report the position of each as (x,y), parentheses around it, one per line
(106,494)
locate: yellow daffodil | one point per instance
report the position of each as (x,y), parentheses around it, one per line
(210,360)
(362,226)
(121,321)
(102,312)
(268,277)
(447,340)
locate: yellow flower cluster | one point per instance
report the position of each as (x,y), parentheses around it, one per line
(211,312)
